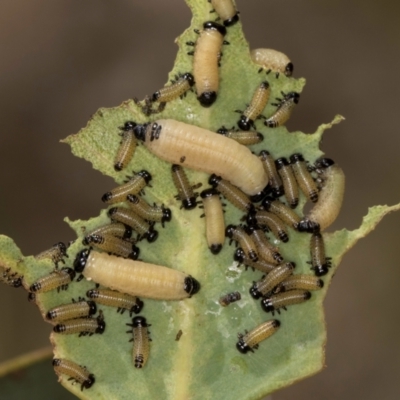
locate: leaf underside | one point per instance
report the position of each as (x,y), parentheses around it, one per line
(204,363)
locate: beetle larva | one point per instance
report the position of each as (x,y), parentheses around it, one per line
(206,58)
(141,341)
(325,212)
(256,106)
(58,279)
(114,245)
(290,186)
(74,371)
(76,309)
(135,277)
(301,281)
(284,110)
(275,181)
(55,253)
(303,177)
(285,213)
(114,229)
(229,299)
(215,222)
(233,194)
(281,300)
(112,298)
(245,242)
(271,280)
(261,265)
(146,211)
(204,151)
(11,279)
(250,340)
(271,222)
(83,326)
(272,60)
(185,189)
(226,10)
(246,138)
(135,185)
(126,148)
(319,263)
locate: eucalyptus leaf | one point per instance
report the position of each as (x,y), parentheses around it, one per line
(204,363)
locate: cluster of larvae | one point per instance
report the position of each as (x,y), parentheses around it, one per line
(264,189)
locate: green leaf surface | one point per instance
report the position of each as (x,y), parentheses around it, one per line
(204,363)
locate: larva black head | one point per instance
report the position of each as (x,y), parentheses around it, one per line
(281,162)
(251,219)
(254,292)
(324,163)
(119,166)
(283,236)
(140,131)
(239,255)
(267,202)
(267,305)
(134,255)
(128,126)
(321,270)
(145,175)
(222,131)
(297,157)
(206,99)
(264,154)
(88,382)
(289,69)
(264,85)
(191,285)
(92,307)
(31,296)
(132,198)
(101,325)
(215,248)
(128,232)
(112,211)
(214,180)
(59,328)
(92,294)
(208,193)
(232,21)
(136,308)
(61,247)
(307,295)
(294,96)
(245,123)
(320,283)
(155,96)
(15,282)
(255,198)
(70,272)
(211,25)
(190,203)
(107,196)
(51,315)
(189,78)
(81,259)
(151,235)
(139,322)
(242,346)
(305,225)
(230,229)
(167,215)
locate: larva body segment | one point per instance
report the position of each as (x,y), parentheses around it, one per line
(281,300)
(243,239)
(171,92)
(266,250)
(271,222)
(204,151)
(184,187)
(58,279)
(83,326)
(261,265)
(272,60)
(116,229)
(290,186)
(135,277)
(215,222)
(302,282)
(74,371)
(226,10)
(114,245)
(146,211)
(283,111)
(250,340)
(325,212)
(206,58)
(285,213)
(246,138)
(320,264)
(275,181)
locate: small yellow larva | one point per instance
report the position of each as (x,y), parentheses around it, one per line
(283,111)
(272,60)
(141,341)
(126,148)
(58,279)
(55,253)
(74,371)
(76,309)
(281,300)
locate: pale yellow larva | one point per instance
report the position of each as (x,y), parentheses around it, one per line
(206,58)
(272,60)
(74,371)
(326,210)
(141,341)
(205,151)
(136,278)
(226,10)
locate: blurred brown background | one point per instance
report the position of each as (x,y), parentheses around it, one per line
(62,60)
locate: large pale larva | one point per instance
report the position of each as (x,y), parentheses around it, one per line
(250,340)
(205,151)
(272,60)
(325,212)
(74,371)
(206,58)
(226,10)
(135,277)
